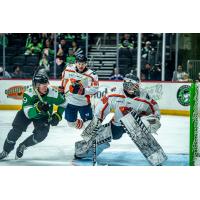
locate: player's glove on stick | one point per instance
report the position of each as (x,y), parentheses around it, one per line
(61,89)
(42,106)
(77,88)
(55,119)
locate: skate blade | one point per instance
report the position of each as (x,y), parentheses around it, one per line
(16,157)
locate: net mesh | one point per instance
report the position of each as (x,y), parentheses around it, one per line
(196,120)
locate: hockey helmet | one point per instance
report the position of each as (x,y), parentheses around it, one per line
(40,79)
(131,83)
(81,58)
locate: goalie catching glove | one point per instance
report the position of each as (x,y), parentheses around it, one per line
(77,88)
(152,123)
(55,119)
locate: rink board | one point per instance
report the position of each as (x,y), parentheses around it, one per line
(165,93)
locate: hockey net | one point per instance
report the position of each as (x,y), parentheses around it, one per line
(195,124)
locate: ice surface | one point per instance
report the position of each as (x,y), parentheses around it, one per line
(58,148)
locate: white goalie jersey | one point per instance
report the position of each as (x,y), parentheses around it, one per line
(120,104)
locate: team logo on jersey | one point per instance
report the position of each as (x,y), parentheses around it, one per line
(15,92)
(183,95)
(25,100)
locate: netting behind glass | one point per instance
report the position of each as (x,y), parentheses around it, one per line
(195,125)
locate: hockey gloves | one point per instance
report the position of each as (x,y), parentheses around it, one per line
(77,88)
(55,119)
(78,123)
(61,89)
(125,110)
(42,106)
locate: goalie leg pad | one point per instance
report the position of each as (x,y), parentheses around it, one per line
(142,137)
(95,127)
(104,134)
(83,150)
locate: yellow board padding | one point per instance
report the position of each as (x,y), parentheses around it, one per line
(163,111)
(17,107)
(175,112)
(10,107)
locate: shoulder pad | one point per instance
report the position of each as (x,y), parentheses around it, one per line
(52,92)
(29,91)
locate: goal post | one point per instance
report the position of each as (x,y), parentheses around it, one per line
(194,158)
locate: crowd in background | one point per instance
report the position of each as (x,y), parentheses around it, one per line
(39,49)
(42,48)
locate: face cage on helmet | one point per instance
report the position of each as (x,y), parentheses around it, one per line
(38,84)
(130,86)
(82,62)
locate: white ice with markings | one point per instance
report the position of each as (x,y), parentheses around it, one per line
(58,148)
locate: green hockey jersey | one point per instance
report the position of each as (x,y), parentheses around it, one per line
(53,97)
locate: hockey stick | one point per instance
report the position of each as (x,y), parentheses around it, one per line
(105,123)
(94,149)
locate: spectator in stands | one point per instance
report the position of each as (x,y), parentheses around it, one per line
(116,75)
(192,74)
(186,77)
(6,74)
(17,72)
(79,36)
(69,37)
(60,66)
(33,46)
(126,36)
(83,36)
(70,57)
(48,48)
(62,48)
(178,75)
(45,62)
(44,36)
(126,44)
(147,51)
(156,72)
(76,49)
(148,72)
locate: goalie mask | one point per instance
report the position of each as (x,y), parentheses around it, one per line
(131,85)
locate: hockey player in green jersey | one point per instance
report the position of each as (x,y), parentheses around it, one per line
(37,107)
